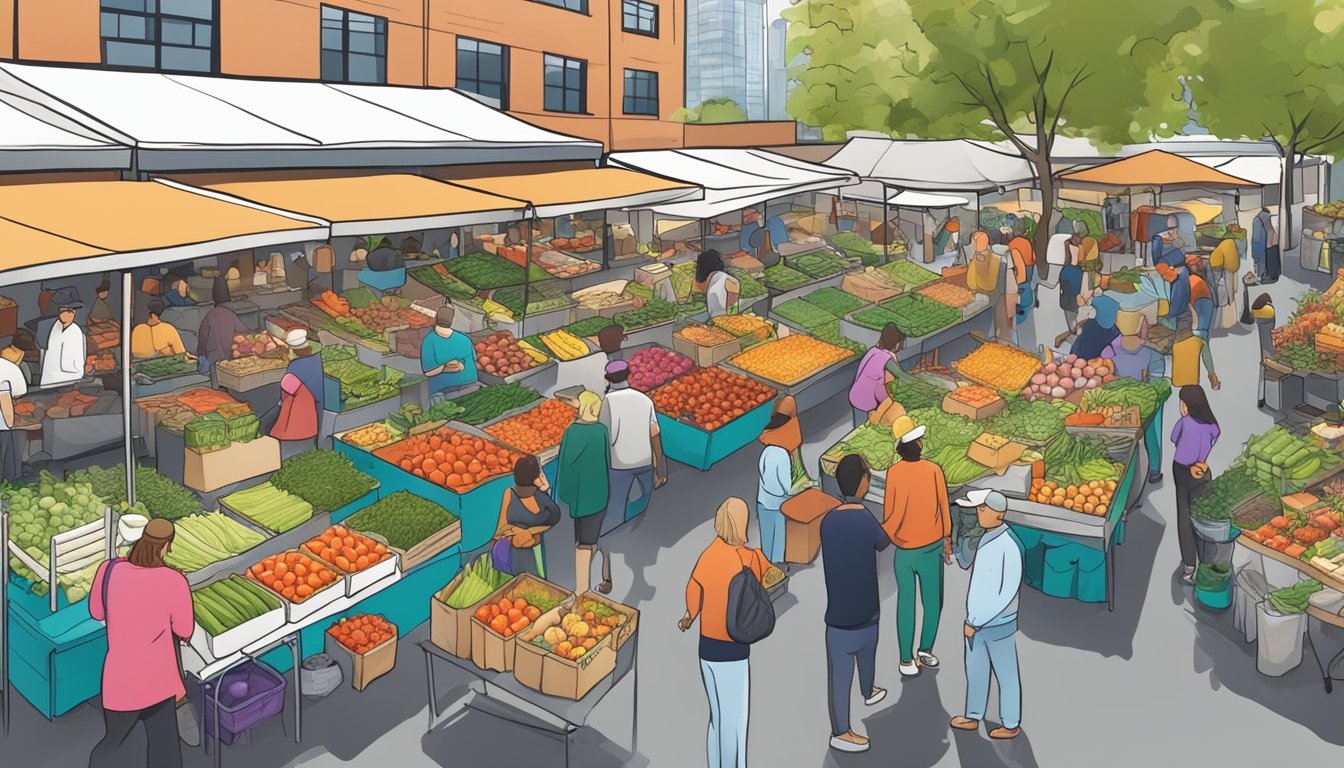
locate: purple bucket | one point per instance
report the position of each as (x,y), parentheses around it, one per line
(262,697)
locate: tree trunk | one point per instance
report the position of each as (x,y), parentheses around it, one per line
(1286,199)
(1041,242)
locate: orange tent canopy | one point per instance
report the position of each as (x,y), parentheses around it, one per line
(1155,168)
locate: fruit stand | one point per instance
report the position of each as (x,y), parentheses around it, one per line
(710,413)
(806,368)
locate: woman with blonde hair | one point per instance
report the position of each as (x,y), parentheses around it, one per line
(723,662)
(582,483)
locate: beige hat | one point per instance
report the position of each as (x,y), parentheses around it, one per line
(297,338)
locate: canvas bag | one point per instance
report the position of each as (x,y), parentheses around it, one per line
(751,615)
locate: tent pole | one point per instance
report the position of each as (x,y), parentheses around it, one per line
(704,234)
(4,616)
(977,210)
(886,226)
(126,387)
(527,276)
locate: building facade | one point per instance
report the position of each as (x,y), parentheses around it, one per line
(777,70)
(608,70)
(725,54)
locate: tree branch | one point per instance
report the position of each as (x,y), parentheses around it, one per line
(1005,124)
(1078,79)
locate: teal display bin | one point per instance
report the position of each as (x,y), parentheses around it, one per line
(1059,576)
(695,447)
(55,659)
(1217,600)
(362,459)
(478,508)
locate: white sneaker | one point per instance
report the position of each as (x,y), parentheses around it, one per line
(849,742)
(927,659)
(1187,575)
(909,669)
(878,695)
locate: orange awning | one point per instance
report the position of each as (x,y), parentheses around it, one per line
(1155,168)
(364,205)
(25,245)
(560,193)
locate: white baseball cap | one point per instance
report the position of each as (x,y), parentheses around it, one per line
(297,338)
(992,499)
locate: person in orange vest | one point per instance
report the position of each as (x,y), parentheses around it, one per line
(1202,308)
(1024,269)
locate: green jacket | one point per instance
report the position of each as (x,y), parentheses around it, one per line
(585,459)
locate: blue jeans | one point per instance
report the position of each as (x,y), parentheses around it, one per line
(772,533)
(994,649)
(728,686)
(844,649)
(621,483)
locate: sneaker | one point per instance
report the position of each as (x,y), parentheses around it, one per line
(927,659)
(188,729)
(965,723)
(1154,477)
(849,742)
(1004,733)
(909,669)
(878,695)
(1187,574)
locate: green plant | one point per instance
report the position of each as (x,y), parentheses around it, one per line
(402,518)
(325,479)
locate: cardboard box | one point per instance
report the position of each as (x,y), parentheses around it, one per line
(953,405)
(626,629)
(544,671)
(867,285)
(491,650)
(363,668)
(802,524)
(206,472)
(994,452)
(706,357)
(450,628)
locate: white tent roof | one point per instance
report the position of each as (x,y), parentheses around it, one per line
(931,166)
(872,192)
(1265,171)
(30,144)
(182,122)
(732,178)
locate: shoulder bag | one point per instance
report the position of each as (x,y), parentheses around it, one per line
(751,615)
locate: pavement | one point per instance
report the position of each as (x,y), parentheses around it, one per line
(1158,681)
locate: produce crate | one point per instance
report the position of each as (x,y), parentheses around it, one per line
(297,612)
(972,412)
(706,357)
(445,539)
(493,651)
(207,472)
(544,373)
(614,286)
(815,388)
(450,628)
(357,582)
(689,444)
(363,668)
(250,381)
(263,699)
(544,671)
(232,641)
(627,627)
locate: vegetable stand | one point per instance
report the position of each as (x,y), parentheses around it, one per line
(813,388)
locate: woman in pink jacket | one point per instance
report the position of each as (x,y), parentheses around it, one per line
(147,608)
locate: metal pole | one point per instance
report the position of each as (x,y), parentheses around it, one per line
(126,385)
(4,614)
(527,276)
(886,226)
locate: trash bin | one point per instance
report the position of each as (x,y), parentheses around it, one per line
(1213,585)
(1249,590)
(319,676)
(1280,641)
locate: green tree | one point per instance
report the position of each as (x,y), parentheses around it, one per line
(1021,71)
(1273,69)
(711,111)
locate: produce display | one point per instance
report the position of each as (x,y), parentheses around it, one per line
(389,313)
(485,272)
(246,366)
(103,362)
(918,315)
(782,278)
(402,518)
(790,359)
(157,495)
(479,580)
(537,430)
(165,367)
(437,277)
(874,318)
(103,335)
(563,265)
(1067,374)
(37,513)
(360,384)
(372,435)
(914,392)
(449,458)
(446,410)
(590,326)
(269,507)
(601,299)
(975,395)
(293,575)
(704,335)
(208,538)
(908,273)
(332,303)
(1279,458)
(1305,357)
(1309,533)
(1035,422)
(1003,367)
(830,333)
(834,301)
(1126,392)
(871,441)
(951,294)
(579,630)
(362,633)
(654,312)
(958,468)
(563,344)
(1075,460)
(37,406)
(1294,599)
(803,314)
(710,397)
(652,367)
(350,552)
(248,344)
(856,247)
(493,401)
(817,264)
(683,279)
(228,603)
(1092,497)
(508,617)
(750,287)
(944,429)
(498,354)
(543,297)
(325,479)
(744,326)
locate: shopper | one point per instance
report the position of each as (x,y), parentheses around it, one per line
(991,619)
(176,291)
(721,289)
(878,367)
(1262,311)
(526,513)
(917,518)
(1262,229)
(781,438)
(101,311)
(1134,359)
(723,662)
(301,396)
(447,357)
(609,340)
(147,608)
(214,341)
(155,338)
(384,268)
(15,385)
(582,481)
(1097,333)
(1178,297)
(850,540)
(1024,271)
(1194,435)
(63,358)
(636,445)
(1202,306)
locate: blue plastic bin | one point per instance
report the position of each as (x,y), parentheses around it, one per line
(695,447)
(55,659)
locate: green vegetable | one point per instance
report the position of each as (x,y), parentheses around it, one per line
(402,518)
(541,297)
(803,314)
(269,507)
(165,367)
(543,602)
(683,278)
(871,441)
(1068,454)
(39,512)
(751,287)
(1294,599)
(817,264)
(446,410)
(1305,357)
(1030,421)
(160,496)
(944,429)
(957,468)
(834,301)
(1213,577)
(782,278)
(1225,492)
(485,272)
(1282,460)
(916,392)
(447,285)
(908,272)
(1127,392)
(830,333)
(654,312)
(492,401)
(918,315)
(325,479)
(856,247)
(479,580)
(204,539)
(223,605)
(588,326)
(874,318)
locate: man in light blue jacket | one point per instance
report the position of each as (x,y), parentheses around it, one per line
(991,619)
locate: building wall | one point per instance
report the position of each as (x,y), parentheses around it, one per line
(777,70)
(725,53)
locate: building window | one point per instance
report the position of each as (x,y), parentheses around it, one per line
(166,35)
(566,88)
(641,92)
(578,6)
(354,46)
(483,69)
(639,17)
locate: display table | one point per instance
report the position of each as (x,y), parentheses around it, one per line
(555,716)
(814,390)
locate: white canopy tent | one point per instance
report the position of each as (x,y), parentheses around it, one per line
(30,144)
(184,122)
(934,166)
(875,191)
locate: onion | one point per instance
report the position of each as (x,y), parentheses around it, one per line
(1052,379)
(1051,367)
(1071,358)
(1089,371)
(1058,392)
(1038,378)
(1093,382)
(1066,383)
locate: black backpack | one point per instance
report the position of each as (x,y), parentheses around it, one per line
(751,615)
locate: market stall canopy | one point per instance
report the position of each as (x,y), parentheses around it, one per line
(1265,171)
(1155,168)
(29,144)
(367,205)
(872,192)
(562,193)
(121,225)
(187,122)
(732,179)
(955,165)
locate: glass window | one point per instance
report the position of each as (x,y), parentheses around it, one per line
(354,46)
(166,35)
(483,69)
(566,84)
(639,17)
(641,92)
(578,6)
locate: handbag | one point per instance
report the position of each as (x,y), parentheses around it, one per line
(751,615)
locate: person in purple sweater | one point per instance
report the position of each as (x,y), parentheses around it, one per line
(1194,436)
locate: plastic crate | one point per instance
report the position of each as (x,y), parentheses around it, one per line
(264,699)
(693,446)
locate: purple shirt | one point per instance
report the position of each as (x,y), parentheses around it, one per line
(1193,440)
(1132,363)
(870,383)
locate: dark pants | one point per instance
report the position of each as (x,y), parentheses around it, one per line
(11,456)
(160,727)
(1186,485)
(845,648)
